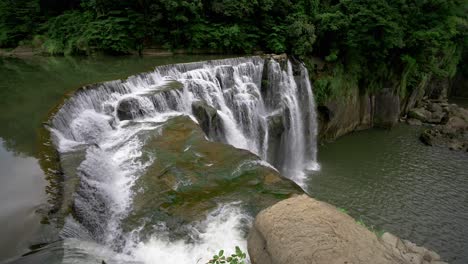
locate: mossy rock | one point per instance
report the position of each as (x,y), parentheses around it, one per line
(192,175)
(209,120)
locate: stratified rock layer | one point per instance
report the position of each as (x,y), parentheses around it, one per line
(303,230)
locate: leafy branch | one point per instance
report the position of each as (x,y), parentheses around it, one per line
(237,258)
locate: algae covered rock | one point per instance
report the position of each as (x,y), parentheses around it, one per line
(191,175)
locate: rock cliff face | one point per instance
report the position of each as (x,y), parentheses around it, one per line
(339,117)
(386,108)
(302,230)
(357,111)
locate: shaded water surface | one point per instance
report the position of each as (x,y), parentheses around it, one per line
(392,181)
(29,89)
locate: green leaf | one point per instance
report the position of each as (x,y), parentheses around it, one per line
(238,251)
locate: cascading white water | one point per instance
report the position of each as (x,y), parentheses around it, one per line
(245,94)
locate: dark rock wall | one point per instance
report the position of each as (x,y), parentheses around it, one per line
(459,85)
(357,111)
(343,115)
(386,109)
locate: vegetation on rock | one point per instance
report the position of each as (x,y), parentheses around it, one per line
(192,176)
(367,44)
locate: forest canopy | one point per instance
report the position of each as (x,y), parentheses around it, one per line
(408,38)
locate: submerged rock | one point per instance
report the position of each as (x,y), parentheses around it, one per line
(303,230)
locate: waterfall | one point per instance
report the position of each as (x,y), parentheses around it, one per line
(260,105)
(232,87)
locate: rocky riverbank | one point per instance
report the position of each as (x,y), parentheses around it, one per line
(304,230)
(449,123)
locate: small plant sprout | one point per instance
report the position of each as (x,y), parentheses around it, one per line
(237,258)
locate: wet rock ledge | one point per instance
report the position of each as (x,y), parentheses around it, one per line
(303,230)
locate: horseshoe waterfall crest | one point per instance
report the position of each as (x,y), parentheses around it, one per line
(170,166)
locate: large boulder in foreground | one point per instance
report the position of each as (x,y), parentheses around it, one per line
(303,230)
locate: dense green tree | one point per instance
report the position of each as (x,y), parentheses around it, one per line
(17,21)
(394,40)
(373,43)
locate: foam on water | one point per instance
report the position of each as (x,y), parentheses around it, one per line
(233,87)
(92,121)
(222,229)
(106,176)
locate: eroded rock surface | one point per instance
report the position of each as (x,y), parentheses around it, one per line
(303,230)
(450,124)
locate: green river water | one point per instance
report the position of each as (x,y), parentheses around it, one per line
(386,178)
(390,180)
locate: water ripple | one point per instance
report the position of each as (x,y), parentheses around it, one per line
(392,181)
